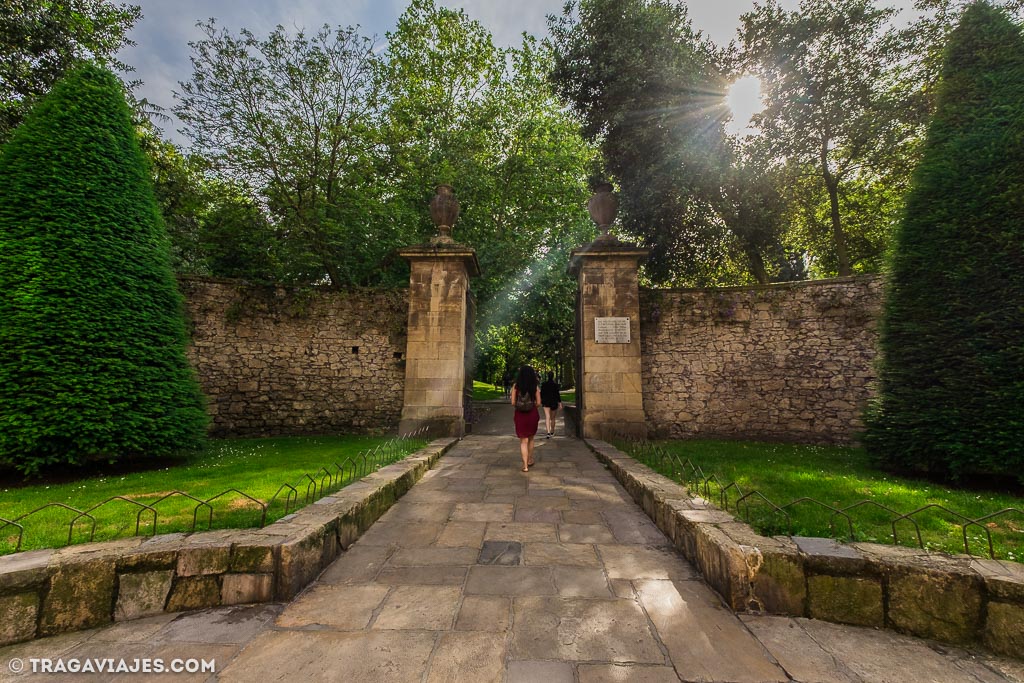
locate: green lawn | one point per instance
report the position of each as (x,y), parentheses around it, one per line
(257,467)
(839,478)
(486,392)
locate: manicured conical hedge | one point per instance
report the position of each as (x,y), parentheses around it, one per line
(92,333)
(952,336)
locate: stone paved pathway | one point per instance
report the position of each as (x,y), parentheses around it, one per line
(484,573)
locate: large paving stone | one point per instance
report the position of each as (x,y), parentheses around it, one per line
(796,651)
(485,580)
(490,613)
(358,564)
(634,528)
(331,657)
(706,642)
(543,503)
(223,625)
(426,557)
(483,512)
(501,553)
(887,657)
(524,532)
(462,535)
(134,631)
(422,576)
(586,630)
(581,582)
(347,608)
(584,517)
(534,672)
(585,533)
(418,512)
(429,608)
(560,554)
(402,534)
(549,516)
(634,673)
(643,562)
(468,656)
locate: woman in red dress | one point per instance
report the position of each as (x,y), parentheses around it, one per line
(525,399)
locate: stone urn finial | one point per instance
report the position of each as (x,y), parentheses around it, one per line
(444,211)
(603,206)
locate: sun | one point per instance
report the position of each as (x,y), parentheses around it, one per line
(744,100)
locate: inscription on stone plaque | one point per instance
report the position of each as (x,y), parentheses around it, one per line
(611,330)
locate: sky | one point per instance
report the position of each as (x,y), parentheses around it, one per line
(161,53)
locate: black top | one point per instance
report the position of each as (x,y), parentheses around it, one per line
(549,394)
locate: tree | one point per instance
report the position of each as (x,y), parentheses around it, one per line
(459,110)
(41,39)
(92,334)
(215,227)
(952,373)
(825,71)
(293,119)
(652,91)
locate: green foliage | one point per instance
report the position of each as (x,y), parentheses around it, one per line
(830,112)
(650,89)
(347,183)
(291,118)
(40,40)
(215,227)
(92,337)
(952,380)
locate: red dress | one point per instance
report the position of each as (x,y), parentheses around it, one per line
(526,423)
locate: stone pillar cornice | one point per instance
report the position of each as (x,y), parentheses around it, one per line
(443,251)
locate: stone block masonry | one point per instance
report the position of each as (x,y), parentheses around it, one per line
(790,362)
(273,362)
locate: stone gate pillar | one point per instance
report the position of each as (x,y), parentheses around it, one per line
(439,310)
(608,316)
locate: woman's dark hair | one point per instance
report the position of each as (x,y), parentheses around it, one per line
(526,381)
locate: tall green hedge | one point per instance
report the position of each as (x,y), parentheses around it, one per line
(952,335)
(92,332)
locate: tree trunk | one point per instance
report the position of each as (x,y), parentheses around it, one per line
(757,268)
(838,237)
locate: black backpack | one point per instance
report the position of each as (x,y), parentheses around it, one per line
(524,402)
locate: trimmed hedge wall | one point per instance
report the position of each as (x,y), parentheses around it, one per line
(92,333)
(952,335)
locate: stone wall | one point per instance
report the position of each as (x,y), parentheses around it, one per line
(787,362)
(275,362)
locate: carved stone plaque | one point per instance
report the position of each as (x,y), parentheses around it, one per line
(611,330)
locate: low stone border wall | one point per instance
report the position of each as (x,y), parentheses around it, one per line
(952,598)
(45,592)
